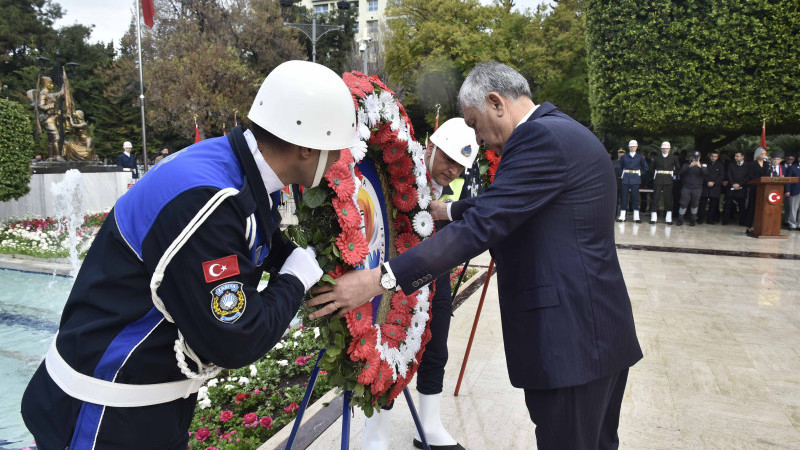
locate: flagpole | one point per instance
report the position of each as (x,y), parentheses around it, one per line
(141,82)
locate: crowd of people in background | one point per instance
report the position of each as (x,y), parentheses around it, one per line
(708,188)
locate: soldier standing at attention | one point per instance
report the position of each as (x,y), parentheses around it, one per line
(665,167)
(632,167)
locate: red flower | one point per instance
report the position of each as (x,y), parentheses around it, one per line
(426,335)
(359,320)
(405,200)
(302,360)
(377,81)
(405,241)
(337,272)
(369,371)
(402,223)
(226,415)
(250,418)
(394,150)
(353,245)
(292,407)
(392,335)
(383,135)
(345,157)
(341,180)
(240,398)
(401,167)
(355,84)
(362,348)
(402,302)
(399,318)
(347,212)
(358,173)
(266,422)
(202,434)
(383,380)
(402,183)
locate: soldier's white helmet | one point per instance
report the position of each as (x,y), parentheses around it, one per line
(306,104)
(127,144)
(665,144)
(457,141)
(633,143)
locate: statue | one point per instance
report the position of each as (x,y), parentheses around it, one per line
(45,105)
(81,146)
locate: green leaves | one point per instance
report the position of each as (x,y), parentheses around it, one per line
(16,150)
(314,197)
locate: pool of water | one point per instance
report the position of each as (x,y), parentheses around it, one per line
(30,309)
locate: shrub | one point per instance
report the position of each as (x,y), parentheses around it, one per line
(16,150)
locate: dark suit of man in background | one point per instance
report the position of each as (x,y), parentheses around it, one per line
(548,221)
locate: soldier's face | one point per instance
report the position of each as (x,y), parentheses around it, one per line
(665,151)
(444,169)
(633,148)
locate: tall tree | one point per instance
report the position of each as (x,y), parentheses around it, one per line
(709,69)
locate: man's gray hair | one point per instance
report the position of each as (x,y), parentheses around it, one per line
(491,77)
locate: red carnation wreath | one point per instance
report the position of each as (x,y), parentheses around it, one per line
(374,361)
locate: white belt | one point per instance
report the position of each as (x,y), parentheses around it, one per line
(664,172)
(631,171)
(119,395)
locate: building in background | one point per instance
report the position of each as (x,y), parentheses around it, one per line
(371,15)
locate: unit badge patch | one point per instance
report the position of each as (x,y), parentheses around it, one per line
(228,301)
(466,151)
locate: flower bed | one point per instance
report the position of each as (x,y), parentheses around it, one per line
(455,273)
(46,237)
(243,408)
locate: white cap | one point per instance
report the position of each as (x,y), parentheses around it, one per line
(127,144)
(457,141)
(665,144)
(306,104)
(633,143)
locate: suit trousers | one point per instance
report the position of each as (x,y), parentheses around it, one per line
(750,217)
(662,191)
(582,417)
(633,191)
(712,216)
(792,211)
(727,210)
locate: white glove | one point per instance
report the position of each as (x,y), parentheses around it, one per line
(302,263)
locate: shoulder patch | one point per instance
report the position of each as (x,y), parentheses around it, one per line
(228,302)
(219,269)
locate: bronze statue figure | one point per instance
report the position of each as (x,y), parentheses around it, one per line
(80,148)
(45,101)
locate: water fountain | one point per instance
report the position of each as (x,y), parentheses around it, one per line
(69,205)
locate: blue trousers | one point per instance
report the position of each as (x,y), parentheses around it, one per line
(633,191)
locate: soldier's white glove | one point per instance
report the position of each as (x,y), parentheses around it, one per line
(302,263)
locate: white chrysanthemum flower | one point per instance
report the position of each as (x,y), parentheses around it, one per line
(228,387)
(283,363)
(423,221)
(278,346)
(404,134)
(205,403)
(422,181)
(416,149)
(371,110)
(359,150)
(202,393)
(253,370)
(363,131)
(297,333)
(213,382)
(424,199)
(316,332)
(244,380)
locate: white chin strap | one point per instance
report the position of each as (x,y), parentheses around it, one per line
(433,155)
(323,159)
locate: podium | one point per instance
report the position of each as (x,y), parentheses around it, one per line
(769,206)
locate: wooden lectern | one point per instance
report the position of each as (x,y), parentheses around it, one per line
(769,206)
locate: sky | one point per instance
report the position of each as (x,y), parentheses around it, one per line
(112,17)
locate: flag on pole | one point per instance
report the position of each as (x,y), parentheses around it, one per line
(148,11)
(436,122)
(223,129)
(764,134)
(196,131)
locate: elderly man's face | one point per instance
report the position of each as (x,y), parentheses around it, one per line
(487,126)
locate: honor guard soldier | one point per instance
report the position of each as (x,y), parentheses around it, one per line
(666,166)
(452,150)
(167,294)
(632,166)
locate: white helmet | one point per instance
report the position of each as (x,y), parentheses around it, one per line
(457,140)
(127,144)
(665,144)
(306,104)
(633,143)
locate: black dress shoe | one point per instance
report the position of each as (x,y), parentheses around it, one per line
(456,446)
(750,233)
(680,221)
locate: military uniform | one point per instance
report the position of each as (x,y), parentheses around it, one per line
(632,167)
(665,168)
(172,273)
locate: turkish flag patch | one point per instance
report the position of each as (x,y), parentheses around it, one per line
(219,269)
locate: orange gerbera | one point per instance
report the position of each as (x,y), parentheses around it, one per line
(362,348)
(394,150)
(370,370)
(402,223)
(357,85)
(359,320)
(405,200)
(341,180)
(402,302)
(392,335)
(383,379)
(400,318)
(353,245)
(401,167)
(405,241)
(347,212)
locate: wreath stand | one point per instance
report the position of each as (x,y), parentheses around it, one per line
(345,411)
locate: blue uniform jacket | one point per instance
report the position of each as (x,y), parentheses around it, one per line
(548,221)
(793,171)
(110,328)
(635,162)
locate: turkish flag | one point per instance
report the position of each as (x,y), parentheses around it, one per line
(219,269)
(764,134)
(196,134)
(147,12)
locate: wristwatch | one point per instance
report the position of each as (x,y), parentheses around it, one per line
(388,281)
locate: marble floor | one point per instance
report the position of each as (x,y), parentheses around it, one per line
(720,334)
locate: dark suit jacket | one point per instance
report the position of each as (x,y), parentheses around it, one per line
(548,220)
